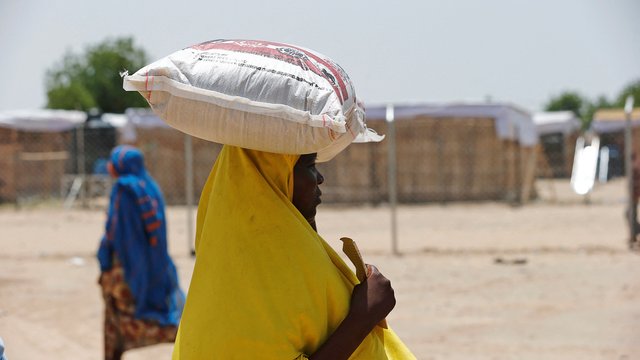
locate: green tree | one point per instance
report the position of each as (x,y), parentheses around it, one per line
(632,89)
(92,79)
(601,103)
(568,100)
(571,101)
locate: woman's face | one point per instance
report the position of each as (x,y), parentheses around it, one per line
(306,193)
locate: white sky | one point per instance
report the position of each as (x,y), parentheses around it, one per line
(405,51)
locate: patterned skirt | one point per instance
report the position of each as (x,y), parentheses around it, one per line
(121,330)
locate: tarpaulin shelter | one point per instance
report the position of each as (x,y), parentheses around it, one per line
(558,132)
(445,152)
(34,151)
(610,125)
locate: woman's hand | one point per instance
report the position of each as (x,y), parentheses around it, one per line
(373,299)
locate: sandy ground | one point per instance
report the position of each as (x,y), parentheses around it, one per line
(548,280)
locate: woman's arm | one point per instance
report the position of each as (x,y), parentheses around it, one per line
(371,301)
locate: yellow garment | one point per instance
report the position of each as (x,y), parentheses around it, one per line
(265,284)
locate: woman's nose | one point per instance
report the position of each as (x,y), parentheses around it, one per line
(320,178)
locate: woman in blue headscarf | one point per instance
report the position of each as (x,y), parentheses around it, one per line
(143,301)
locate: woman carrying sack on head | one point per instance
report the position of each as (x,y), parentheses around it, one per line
(265,284)
(143,301)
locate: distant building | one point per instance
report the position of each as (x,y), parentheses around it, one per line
(610,125)
(558,132)
(34,151)
(445,152)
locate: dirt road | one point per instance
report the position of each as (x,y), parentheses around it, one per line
(474,281)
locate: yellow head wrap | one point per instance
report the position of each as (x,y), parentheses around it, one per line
(265,285)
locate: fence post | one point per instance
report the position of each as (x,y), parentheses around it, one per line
(391,177)
(188,172)
(80,143)
(628,149)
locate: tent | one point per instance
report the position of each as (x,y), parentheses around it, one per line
(34,151)
(41,155)
(610,125)
(445,152)
(558,131)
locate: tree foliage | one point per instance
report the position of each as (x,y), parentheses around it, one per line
(568,100)
(571,101)
(600,103)
(92,79)
(585,108)
(632,89)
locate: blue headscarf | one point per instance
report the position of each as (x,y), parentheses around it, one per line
(136,234)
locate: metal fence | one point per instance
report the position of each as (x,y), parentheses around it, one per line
(430,155)
(435,160)
(423,159)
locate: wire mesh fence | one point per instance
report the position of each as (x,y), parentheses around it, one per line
(425,159)
(438,159)
(70,166)
(457,159)
(440,156)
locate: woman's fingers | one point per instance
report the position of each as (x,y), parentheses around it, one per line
(374,298)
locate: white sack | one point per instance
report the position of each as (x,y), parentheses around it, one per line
(256,94)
